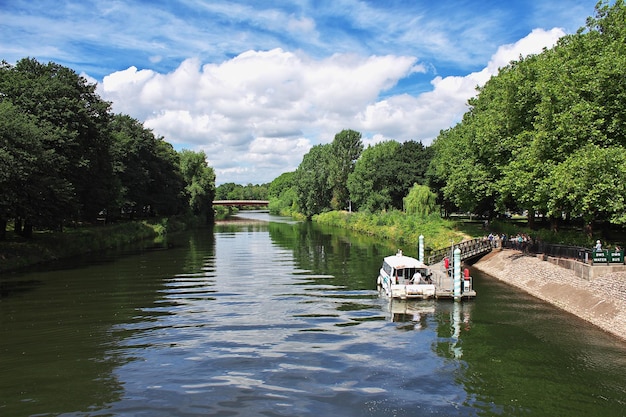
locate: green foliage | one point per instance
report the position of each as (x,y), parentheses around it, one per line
(345,150)
(545,134)
(65,158)
(283,182)
(320,182)
(32,180)
(313,191)
(373,173)
(385,173)
(283,195)
(200,180)
(232,191)
(285,204)
(591,183)
(147,170)
(57,97)
(421,201)
(397,226)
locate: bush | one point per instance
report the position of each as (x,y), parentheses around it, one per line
(397,226)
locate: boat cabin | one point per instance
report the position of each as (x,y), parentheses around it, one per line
(405,270)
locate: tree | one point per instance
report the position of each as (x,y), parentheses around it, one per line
(313,190)
(282,194)
(533,118)
(280,184)
(167,186)
(468,183)
(229,191)
(200,182)
(56,96)
(132,150)
(421,201)
(590,183)
(147,171)
(410,165)
(373,173)
(346,149)
(33,189)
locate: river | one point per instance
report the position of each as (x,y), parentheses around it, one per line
(258,318)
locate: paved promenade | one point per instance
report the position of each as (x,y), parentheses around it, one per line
(601,301)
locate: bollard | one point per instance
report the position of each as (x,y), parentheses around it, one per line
(457,273)
(421,248)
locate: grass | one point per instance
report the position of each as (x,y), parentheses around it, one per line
(404,229)
(17,252)
(401,228)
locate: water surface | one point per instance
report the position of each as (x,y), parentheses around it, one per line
(283,319)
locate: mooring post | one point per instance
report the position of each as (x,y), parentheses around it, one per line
(420,250)
(457,273)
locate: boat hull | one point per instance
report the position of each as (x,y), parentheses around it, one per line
(405,291)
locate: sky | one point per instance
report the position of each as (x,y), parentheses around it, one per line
(256,84)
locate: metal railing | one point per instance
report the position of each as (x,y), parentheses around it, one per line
(481,246)
(579,253)
(469,249)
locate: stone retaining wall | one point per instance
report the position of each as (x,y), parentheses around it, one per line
(600,300)
(583,270)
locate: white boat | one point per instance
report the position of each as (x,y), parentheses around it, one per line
(404,277)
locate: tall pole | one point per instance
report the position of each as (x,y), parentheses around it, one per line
(421,248)
(457,274)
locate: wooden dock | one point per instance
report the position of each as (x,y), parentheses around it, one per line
(444,283)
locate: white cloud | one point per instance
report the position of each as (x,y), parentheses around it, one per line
(422,117)
(261,109)
(258,113)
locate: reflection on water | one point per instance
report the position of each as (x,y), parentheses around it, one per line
(284,319)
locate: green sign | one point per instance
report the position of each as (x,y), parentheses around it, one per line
(600,257)
(608,256)
(616,256)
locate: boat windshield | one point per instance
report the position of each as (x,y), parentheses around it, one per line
(408,273)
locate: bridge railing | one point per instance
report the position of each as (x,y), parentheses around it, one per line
(469,249)
(240,202)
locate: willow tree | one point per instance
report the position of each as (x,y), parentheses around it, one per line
(421,201)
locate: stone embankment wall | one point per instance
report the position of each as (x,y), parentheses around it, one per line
(600,300)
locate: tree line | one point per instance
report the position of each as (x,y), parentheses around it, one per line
(342,175)
(65,157)
(546,136)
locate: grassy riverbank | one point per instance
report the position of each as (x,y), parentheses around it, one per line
(18,253)
(404,229)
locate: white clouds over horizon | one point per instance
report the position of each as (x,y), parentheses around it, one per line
(256,84)
(257,114)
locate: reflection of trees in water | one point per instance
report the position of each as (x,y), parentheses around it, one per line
(351,260)
(65,331)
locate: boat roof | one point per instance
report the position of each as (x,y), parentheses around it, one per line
(399,261)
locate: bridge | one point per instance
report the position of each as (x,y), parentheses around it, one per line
(240,203)
(469,249)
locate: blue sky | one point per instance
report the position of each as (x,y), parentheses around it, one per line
(255,84)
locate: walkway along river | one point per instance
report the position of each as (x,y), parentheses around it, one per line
(601,300)
(256,318)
